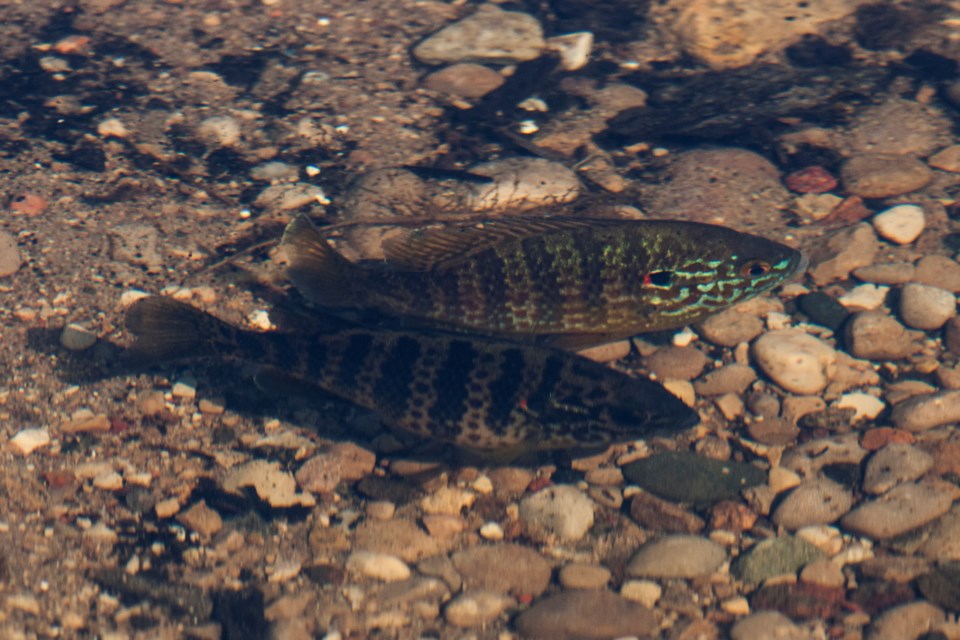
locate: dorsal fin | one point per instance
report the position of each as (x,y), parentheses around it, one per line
(426,249)
(318,272)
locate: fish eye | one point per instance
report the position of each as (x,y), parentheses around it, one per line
(755,268)
(659,278)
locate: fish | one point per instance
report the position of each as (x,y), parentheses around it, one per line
(498,398)
(565,282)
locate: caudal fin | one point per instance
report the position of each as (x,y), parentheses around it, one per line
(167,330)
(317,271)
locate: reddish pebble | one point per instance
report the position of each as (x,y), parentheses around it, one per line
(525,598)
(59,479)
(118,425)
(28,204)
(72,45)
(878,438)
(848,212)
(732,516)
(539,483)
(811,180)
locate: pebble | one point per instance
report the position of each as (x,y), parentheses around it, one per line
(925,307)
(443,525)
(219,131)
(558,512)
(796,361)
(520,184)
(488,35)
(401,538)
(510,481)
(766,625)
(656,514)
(876,439)
(579,575)
(782,479)
(773,431)
(881,175)
(813,179)
(947,159)
(844,251)
(76,337)
(676,556)
(476,608)
(466,79)
(10,257)
(274,171)
(926,411)
(491,531)
(646,592)
(730,327)
(938,271)
(818,501)
(774,557)
(609,352)
(911,620)
(585,614)
(185,388)
(108,481)
(574,49)
(901,224)
(29,440)
(503,568)
(202,519)
(904,508)
(893,465)
(167,508)
(679,363)
(381,566)
(823,572)
(448,500)
(823,309)
(278,488)
(150,402)
(732,378)
(867,407)
(289,197)
(942,541)
(864,297)
(342,462)
(687,477)
(951,335)
(886,273)
(872,335)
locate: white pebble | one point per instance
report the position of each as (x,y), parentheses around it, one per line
(901,224)
(865,296)
(646,592)
(185,388)
(491,531)
(574,49)
(220,131)
(798,362)
(112,127)
(684,337)
(865,405)
(382,566)
(925,307)
(75,337)
(29,440)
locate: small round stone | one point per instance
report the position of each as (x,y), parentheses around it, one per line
(881,175)
(893,465)
(677,556)
(819,501)
(646,592)
(381,566)
(75,337)
(901,224)
(798,362)
(476,608)
(926,411)
(467,80)
(872,335)
(562,512)
(925,307)
(10,257)
(219,131)
(579,575)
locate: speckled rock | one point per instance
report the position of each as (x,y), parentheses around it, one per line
(560,512)
(676,556)
(797,361)
(910,620)
(488,35)
(503,568)
(926,411)
(819,501)
(729,186)
(732,378)
(904,508)
(897,126)
(844,251)
(585,614)
(341,462)
(881,175)
(901,224)
(774,557)
(873,335)
(925,307)
(687,477)
(894,464)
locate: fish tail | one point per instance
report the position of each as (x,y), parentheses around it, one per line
(167,330)
(318,272)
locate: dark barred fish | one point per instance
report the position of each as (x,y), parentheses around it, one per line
(563,281)
(497,397)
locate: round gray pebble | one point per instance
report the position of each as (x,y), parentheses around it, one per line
(925,307)
(814,502)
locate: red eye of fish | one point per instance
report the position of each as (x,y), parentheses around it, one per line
(658,279)
(755,269)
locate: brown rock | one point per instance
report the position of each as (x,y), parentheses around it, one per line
(681,363)
(938,271)
(730,327)
(876,439)
(503,568)
(732,378)
(400,538)
(342,462)
(732,516)
(657,514)
(872,335)
(773,431)
(510,481)
(202,519)
(951,335)
(844,251)
(585,614)
(466,79)
(881,175)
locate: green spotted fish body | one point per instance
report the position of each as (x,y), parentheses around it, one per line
(562,281)
(482,394)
